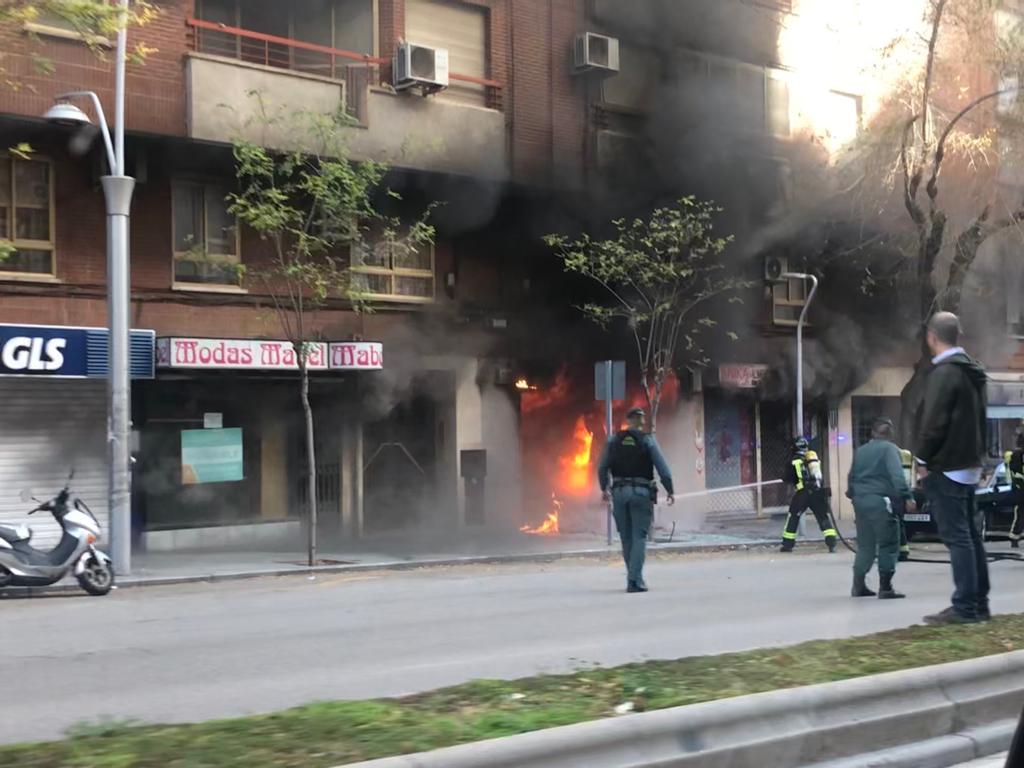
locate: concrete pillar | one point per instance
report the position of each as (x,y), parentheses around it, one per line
(351,476)
(273,466)
(468,421)
(844,453)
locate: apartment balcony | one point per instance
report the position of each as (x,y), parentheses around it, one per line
(248,85)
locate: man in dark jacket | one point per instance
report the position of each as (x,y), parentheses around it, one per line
(877,485)
(628,465)
(951,426)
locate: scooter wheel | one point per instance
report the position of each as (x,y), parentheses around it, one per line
(97,578)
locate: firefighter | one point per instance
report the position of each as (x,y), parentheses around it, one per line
(628,464)
(1015,470)
(804,474)
(907,462)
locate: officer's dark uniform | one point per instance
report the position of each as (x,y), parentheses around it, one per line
(804,474)
(1015,469)
(628,464)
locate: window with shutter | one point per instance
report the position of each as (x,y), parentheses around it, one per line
(461,28)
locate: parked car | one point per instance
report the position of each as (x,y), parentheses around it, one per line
(995,499)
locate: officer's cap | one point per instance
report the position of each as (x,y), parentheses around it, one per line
(635,413)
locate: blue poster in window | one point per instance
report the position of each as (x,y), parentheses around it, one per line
(211,456)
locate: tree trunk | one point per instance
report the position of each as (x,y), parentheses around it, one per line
(307,411)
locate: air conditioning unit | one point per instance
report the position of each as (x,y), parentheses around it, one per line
(419,66)
(596,53)
(773,269)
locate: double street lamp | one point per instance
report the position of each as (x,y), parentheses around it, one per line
(117,192)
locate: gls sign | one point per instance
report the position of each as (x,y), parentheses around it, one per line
(29,354)
(67,352)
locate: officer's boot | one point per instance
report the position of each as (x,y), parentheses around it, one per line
(885,590)
(830,542)
(860,587)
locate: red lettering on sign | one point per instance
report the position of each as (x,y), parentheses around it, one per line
(270,353)
(363,358)
(246,357)
(376,357)
(185,352)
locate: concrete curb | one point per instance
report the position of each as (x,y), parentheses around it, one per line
(942,752)
(131,582)
(812,725)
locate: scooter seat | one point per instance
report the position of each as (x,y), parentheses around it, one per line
(14,535)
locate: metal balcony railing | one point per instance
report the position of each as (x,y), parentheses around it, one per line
(358,70)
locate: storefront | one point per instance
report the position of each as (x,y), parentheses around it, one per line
(53,414)
(223,461)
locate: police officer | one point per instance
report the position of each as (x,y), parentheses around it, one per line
(804,474)
(875,484)
(1015,469)
(628,464)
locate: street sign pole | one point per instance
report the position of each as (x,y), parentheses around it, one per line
(609,385)
(608,431)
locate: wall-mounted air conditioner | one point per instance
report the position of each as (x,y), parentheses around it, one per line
(596,53)
(419,66)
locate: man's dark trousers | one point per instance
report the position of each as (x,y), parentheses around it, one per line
(955,510)
(633,509)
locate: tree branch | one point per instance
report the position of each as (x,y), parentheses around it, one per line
(909,184)
(929,68)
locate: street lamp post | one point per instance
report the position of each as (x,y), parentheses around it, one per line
(800,346)
(117,192)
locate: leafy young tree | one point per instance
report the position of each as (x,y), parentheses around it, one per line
(656,274)
(316,209)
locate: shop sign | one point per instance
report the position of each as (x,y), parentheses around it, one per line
(211,456)
(263,355)
(741,376)
(68,352)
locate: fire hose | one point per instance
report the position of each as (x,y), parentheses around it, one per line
(993,557)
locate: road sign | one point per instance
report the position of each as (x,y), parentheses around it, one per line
(618,379)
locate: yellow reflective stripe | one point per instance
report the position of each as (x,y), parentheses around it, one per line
(905,548)
(830,532)
(788,535)
(798,465)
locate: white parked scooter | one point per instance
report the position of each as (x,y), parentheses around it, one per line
(23,566)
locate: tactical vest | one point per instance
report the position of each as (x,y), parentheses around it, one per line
(630,456)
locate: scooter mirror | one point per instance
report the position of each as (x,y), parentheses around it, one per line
(26,495)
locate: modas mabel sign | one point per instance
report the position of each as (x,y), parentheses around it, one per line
(266,355)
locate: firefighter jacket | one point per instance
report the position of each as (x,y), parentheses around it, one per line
(804,471)
(1015,467)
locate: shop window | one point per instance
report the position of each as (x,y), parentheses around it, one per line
(394,271)
(26,216)
(461,29)
(206,248)
(788,299)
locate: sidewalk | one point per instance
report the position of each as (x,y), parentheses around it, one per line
(422,548)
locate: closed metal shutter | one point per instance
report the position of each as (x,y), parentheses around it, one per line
(462,29)
(48,427)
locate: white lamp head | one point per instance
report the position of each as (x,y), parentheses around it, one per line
(66,113)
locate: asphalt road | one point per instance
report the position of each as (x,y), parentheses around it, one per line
(203,651)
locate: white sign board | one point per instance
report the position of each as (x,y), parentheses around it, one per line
(266,355)
(213,421)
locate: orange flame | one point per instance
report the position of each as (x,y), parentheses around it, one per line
(574,475)
(550,524)
(524,386)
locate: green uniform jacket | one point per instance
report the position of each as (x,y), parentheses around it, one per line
(877,471)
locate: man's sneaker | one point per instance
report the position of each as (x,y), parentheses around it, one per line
(636,587)
(948,616)
(984,614)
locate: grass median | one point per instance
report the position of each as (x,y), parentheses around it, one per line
(337,733)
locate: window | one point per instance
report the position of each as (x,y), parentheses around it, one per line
(346,25)
(26,215)
(205,236)
(749,97)
(842,120)
(394,271)
(461,28)
(634,84)
(788,299)
(52,24)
